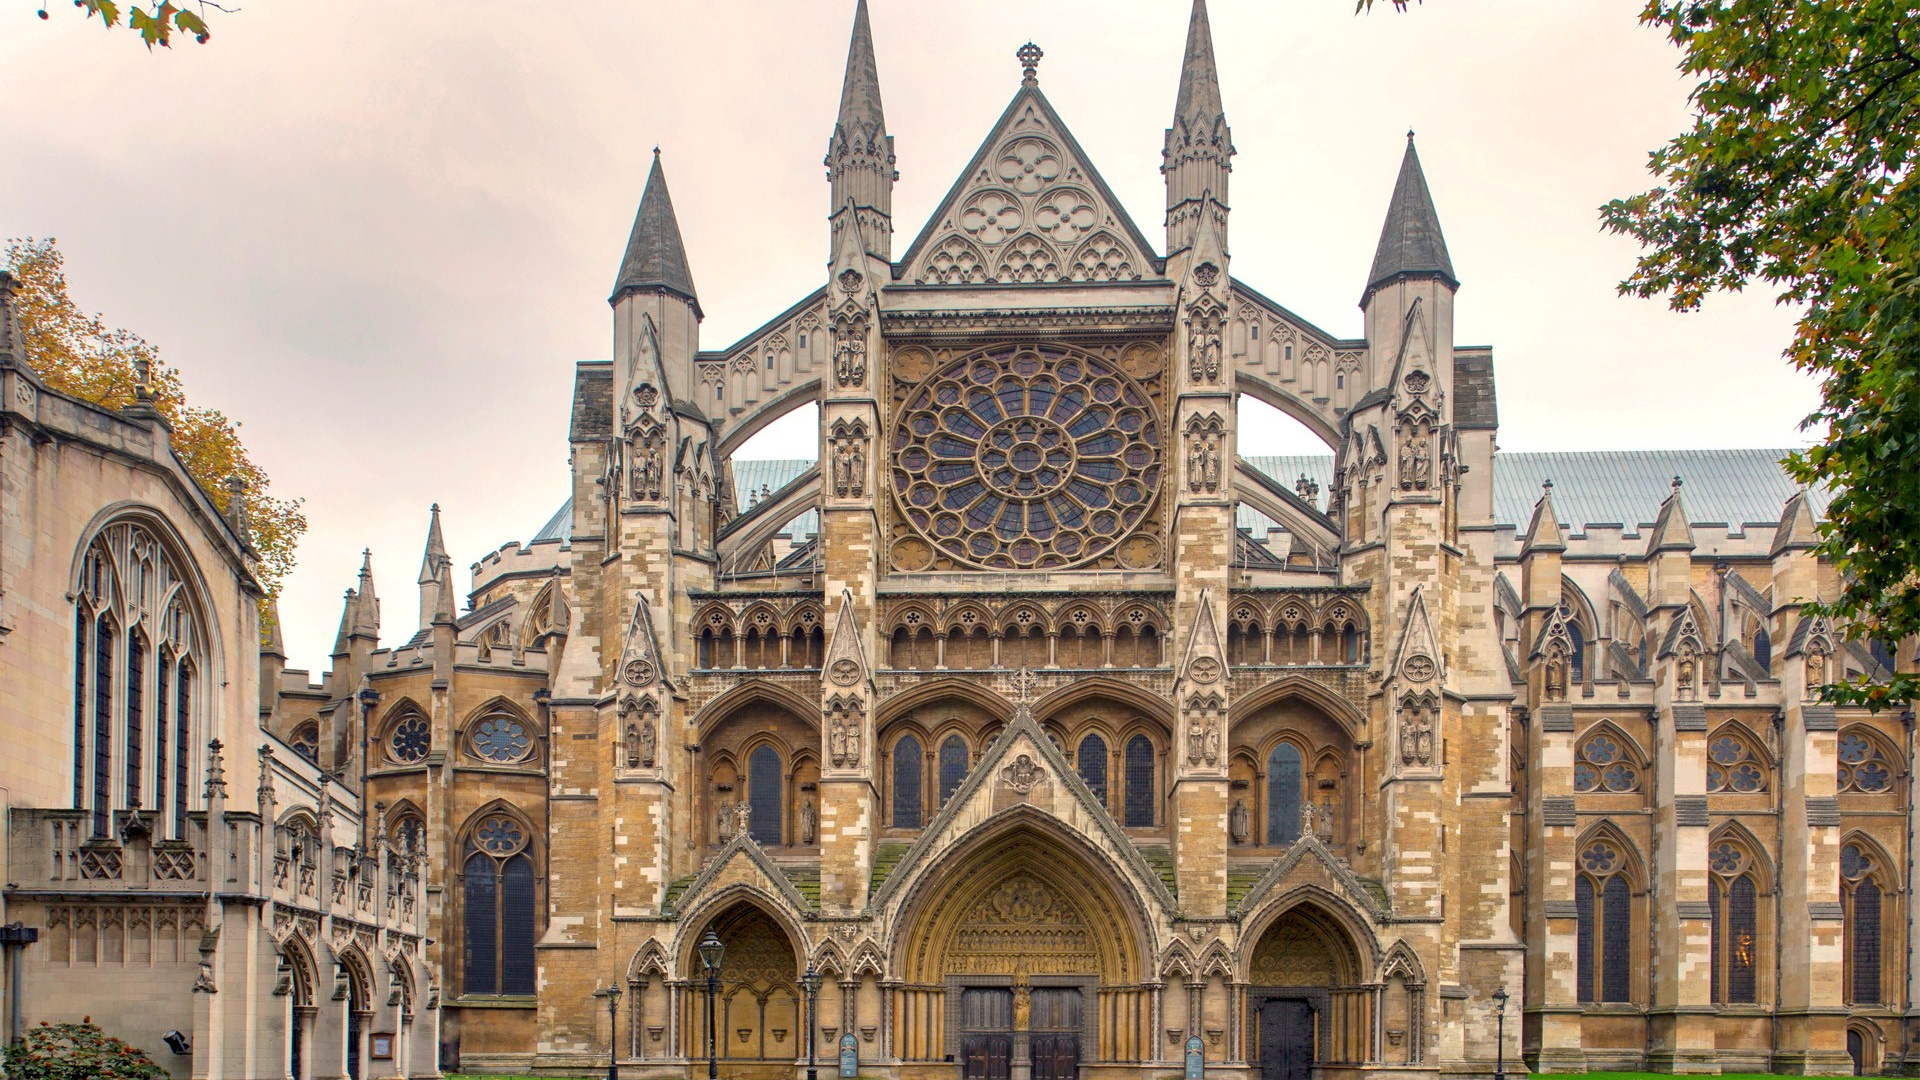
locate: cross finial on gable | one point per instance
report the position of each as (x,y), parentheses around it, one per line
(1029,56)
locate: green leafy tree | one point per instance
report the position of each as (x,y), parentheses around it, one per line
(1799,173)
(155,23)
(80,354)
(77,1052)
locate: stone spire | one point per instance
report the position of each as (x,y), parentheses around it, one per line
(366,608)
(272,643)
(1671,529)
(656,259)
(434,565)
(1543,532)
(1199,148)
(1410,241)
(1797,531)
(860,153)
(349,607)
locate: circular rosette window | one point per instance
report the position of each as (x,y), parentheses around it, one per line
(1025,458)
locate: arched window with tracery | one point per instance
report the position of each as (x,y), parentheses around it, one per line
(1733,765)
(1577,634)
(766,785)
(1860,897)
(1285,790)
(1864,765)
(409,738)
(953,766)
(138,640)
(1604,765)
(409,834)
(500,738)
(1603,937)
(1734,923)
(306,741)
(907,769)
(499,907)
(1138,811)
(1092,765)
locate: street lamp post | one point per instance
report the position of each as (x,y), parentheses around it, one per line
(612,994)
(1500,1038)
(711,953)
(810,982)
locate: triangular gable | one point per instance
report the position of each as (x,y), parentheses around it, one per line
(756,870)
(1029,208)
(640,656)
(1324,867)
(846,664)
(1023,738)
(1417,640)
(1205,660)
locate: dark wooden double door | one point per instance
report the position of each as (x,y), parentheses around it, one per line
(987,1033)
(1286,1039)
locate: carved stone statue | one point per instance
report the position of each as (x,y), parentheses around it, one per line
(1816,668)
(1416,459)
(808,818)
(742,817)
(633,745)
(1556,677)
(1203,348)
(647,744)
(850,353)
(1196,741)
(723,824)
(1416,734)
(1685,671)
(1323,822)
(1239,822)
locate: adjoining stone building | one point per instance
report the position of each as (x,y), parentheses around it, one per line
(1060,737)
(172,870)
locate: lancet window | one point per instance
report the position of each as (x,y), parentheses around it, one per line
(138,644)
(953,766)
(765,794)
(1092,763)
(1286,789)
(1861,894)
(907,767)
(1138,811)
(1603,938)
(499,897)
(1733,902)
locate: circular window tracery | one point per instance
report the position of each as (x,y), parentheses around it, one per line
(502,740)
(1027,458)
(1732,766)
(411,739)
(1862,765)
(499,835)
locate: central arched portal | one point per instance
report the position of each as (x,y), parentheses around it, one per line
(758,1026)
(1306,1002)
(1021,959)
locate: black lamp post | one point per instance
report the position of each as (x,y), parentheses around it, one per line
(612,994)
(810,982)
(711,953)
(1500,1039)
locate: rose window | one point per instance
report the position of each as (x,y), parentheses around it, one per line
(1032,458)
(411,739)
(1732,766)
(501,739)
(499,835)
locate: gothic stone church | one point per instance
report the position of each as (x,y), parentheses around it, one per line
(1063,740)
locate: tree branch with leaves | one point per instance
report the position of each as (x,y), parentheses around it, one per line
(155,23)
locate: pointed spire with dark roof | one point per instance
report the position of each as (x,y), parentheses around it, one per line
(1199,78)
(1410,243)
(1198,154)
(436,552)
(1797,531)
(860,88)
(656,258)
(366,619)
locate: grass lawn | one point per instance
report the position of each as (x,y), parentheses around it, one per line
(1649,1076)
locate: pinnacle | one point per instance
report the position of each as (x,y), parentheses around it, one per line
(656,257)
(1410,242)
(1199,78)
(860,90)
(436,552)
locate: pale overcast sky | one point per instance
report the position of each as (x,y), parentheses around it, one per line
(381,234)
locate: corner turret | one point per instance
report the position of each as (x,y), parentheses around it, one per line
(860,154)
(1198,154)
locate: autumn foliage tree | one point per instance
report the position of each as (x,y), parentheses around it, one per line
(81,355)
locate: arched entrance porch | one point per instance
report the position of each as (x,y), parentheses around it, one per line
(1021,958)
(1307,1000)
(758,1019)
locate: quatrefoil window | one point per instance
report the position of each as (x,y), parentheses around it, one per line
(1863,766)
(1732,766)
(1027,458)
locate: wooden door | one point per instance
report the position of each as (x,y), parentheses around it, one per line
(1286,1040)
(986,1033)
(1053,1041)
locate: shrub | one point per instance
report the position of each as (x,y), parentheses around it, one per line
(78,1052)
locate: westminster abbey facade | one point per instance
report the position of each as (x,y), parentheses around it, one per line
(1059,738)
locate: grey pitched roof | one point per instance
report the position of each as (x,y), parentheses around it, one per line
(592,401)
(656,257)
(1410,241)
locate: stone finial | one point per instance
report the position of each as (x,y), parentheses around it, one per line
(216,771)
(143,380)
(1029,56)
(237,508)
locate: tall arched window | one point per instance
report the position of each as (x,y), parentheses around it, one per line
(1139,779)
(1603,938)
(1860,897)
(953,766)
(499,900)
(1577,657)
(1093,765)
(764,786)
(1733,902)
(907,768)
(136,647)
(1763,647)
(1283,794)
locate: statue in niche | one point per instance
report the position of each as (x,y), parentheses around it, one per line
(1203,347)
(633,745)
(1239,822)
(1816,668)
(1022,1006)
(1196,740)
(808,819)
(1416,734)
(1556,677)
(850,351)
(1685,670)
(1324,821)
(849,467)
(723,824)
(1416,460)
(648,744)
(1203,462)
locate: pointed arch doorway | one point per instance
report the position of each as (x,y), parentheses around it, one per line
(1307,1004)
(1020,959)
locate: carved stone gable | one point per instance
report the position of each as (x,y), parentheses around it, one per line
(846,664)
(1022,926)
(1030,209)
(640,656)
(1418,660)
